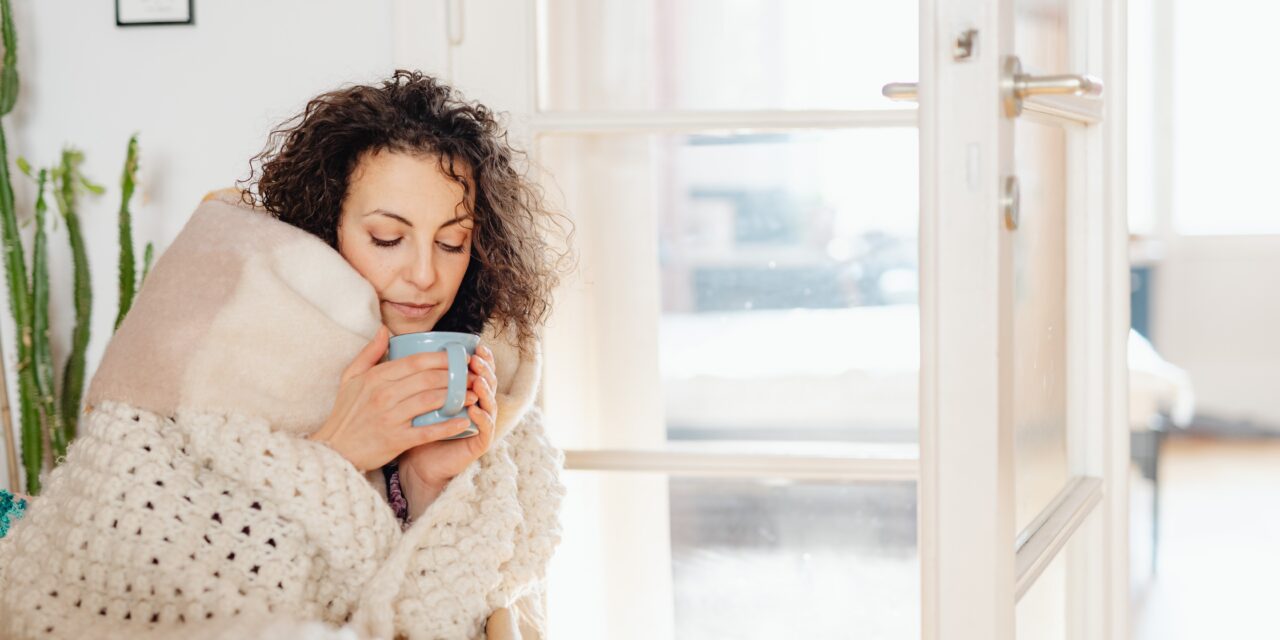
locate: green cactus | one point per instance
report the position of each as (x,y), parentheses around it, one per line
(9,72)
(50,416)
(68,181)
(16,268)
(128,268)
(57,408)
(146,263)
(46,410)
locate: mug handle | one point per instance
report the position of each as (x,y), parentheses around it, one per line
(457,393)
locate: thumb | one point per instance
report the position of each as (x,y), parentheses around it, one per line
(369,355)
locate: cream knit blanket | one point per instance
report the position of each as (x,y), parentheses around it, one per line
(191,504)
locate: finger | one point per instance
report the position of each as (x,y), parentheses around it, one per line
(487,354)
(486,405)
(484,424)
(435,432)
(415,405)
(420,403)
(485,396)
(484,368)
(369,355)
(472,399)
(472,379)
(391,393)
(408,365)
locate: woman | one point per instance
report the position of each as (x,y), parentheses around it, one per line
(229,477)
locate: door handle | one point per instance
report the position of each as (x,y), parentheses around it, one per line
(1018,86)
(900,91)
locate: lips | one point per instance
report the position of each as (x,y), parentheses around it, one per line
(412,311)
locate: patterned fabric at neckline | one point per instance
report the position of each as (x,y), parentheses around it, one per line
(395,493)
(11,509)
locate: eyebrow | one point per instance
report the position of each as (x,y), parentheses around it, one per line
(396,216)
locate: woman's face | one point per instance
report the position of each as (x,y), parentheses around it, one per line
(404,228)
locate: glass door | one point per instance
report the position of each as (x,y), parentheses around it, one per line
(787,371)
(1023,439)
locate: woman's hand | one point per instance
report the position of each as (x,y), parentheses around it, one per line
(370,421)
(427,468)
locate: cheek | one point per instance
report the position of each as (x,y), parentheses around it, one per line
(368,263)
(456,272)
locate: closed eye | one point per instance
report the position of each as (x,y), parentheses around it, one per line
(450,248)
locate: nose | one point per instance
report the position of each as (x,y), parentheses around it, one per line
(421,271)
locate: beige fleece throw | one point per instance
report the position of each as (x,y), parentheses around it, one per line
(192,505)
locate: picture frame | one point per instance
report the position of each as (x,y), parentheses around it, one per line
(146,13)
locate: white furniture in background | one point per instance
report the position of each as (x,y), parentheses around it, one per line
(848,373)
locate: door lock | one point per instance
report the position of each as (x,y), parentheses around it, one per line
(1011,203)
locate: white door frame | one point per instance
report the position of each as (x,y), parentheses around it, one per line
(971,576)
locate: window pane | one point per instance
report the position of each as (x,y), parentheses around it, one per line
(647,556)
(785,278)
(1040,278)
(724,54)
(1039,321)
(1042,612)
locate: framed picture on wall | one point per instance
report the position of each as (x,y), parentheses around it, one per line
(138,13)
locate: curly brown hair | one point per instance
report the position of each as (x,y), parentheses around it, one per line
(304,171)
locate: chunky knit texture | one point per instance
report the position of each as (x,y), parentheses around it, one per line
(192,504)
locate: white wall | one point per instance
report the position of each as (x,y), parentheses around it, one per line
(203,99)
(1215,310)
(1217,314)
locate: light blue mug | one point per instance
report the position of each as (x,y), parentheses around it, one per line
(460,347)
